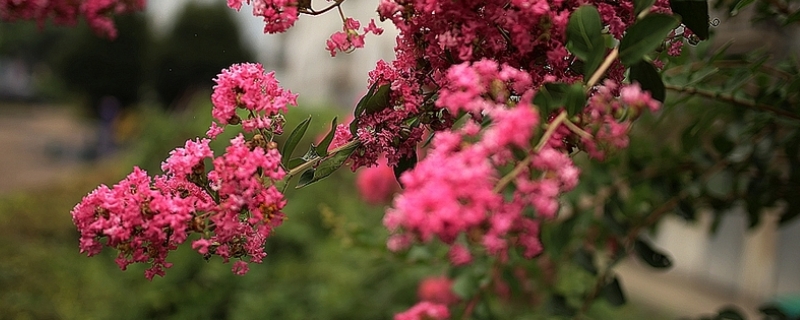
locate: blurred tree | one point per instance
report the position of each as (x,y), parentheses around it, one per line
(25,40)
(95,67)
(204,40)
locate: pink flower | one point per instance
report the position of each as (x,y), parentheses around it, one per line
(341,136)
(96,12)
(459,255)
(349,38)
(240,268)
(377,184)
(214,130)
(437,290)
(278,15)
(425,311)
(185,161)
(247,86)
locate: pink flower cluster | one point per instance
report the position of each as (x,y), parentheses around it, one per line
(425,310)
(435,36)
(349,39)
(437,290)
(377,185)
(454,192)
(279,15)
(98,13)
(232,208)
(248,87)
(609,115)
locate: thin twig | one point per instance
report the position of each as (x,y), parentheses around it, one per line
(312,12)
(731,99)
(551,128)
(296,170)
(603,67)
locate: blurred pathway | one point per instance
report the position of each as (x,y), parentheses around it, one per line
(40,145)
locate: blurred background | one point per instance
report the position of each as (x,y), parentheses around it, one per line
(77,111)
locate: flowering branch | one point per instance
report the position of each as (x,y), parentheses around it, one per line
(310,11)
(314,161)
(603,67)
(551,128)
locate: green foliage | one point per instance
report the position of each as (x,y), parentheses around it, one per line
(556,95)
(95,67)
(644,36)
(294,138)
(328,261)
(585,38)
(648,77)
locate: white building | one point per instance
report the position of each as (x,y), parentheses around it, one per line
(299,57)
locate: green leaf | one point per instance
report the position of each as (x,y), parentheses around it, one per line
(294,138)
(652,257)
(294,162)
(360,107)
(613,293)
(772,312)
(585,259)
(552,96)
(585,38)
(465,286)
(327,167)
(723,145)
(741,5)
(557,236)
(648,78)
(729,313)
(686,211)
(362,104)
(403,165)
(610,221)
(575,99)
(557,306)
(306,177)
(311,154)
(694,14)
(792,18)
(640,5)
(645,36)
(378,101)
(322,148)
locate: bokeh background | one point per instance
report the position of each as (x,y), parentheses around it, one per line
(77,111)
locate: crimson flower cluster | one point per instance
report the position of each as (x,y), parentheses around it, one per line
(232,209)
(349,39)
(96,12)
(279,15)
